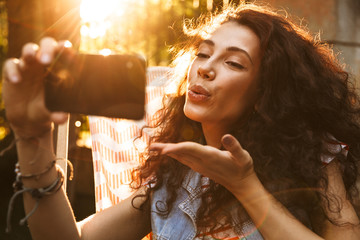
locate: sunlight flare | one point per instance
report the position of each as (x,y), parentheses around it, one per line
(94,10)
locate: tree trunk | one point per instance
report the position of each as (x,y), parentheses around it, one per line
(31,20)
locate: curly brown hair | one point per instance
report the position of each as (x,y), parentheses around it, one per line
(306,98)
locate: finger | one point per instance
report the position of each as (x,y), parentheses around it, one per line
(64,45)
(183,158)
(48,48)
(59,117)
(11,71)
(156,147)
(65,50)
(29,52)
(232,145)
(183,147)
(159,148)
(188,153)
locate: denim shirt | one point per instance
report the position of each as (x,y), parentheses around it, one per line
(180,224)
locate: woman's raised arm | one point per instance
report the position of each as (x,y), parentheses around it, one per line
(23,94)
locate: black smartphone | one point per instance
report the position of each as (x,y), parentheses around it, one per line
(110,86)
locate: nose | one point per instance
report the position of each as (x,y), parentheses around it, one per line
(206,72)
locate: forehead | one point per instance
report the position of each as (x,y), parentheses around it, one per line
(234,34)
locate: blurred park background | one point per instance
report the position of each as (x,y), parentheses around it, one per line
(148,27)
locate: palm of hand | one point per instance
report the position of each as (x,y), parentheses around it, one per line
(230,167)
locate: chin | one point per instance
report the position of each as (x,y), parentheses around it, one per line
(195,114)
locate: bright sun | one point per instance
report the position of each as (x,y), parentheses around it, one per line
(97,16)
(95,10)
(115,25)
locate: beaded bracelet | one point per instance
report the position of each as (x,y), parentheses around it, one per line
(36,175)
(36,193)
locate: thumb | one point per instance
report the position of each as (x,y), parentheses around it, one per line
(232,145)
(59,117)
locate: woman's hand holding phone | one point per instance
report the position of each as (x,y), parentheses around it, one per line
(51,78)
(23,88)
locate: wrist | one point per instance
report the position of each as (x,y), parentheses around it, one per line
(34,143)
(22,134)
(35,154)
(38,178)
(249,189)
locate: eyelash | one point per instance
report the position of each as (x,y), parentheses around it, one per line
(233,64)
(202,55)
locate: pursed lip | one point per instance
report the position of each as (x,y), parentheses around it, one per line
(198,89)
(198,94)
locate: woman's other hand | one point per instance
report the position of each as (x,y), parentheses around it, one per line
(232,167)
(23,88)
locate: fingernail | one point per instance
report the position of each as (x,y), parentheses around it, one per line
(45,58)
(14,78)
(227,140)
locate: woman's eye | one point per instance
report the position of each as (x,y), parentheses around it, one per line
(235,64)
(202,55)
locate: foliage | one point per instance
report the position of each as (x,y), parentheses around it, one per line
(4,128)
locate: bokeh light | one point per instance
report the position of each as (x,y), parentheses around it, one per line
(77,124)
(3,132)
(105,52)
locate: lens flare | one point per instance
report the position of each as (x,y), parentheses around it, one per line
(105,52)
(97,16)
(94,10)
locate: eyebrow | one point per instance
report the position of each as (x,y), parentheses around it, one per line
(229,49)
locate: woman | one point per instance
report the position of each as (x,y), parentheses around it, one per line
(264,112)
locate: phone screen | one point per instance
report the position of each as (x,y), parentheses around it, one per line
(111,86)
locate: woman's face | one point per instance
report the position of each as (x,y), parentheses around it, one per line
(223,78)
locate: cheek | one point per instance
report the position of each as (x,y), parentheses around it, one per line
(238,100)
(192,69)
